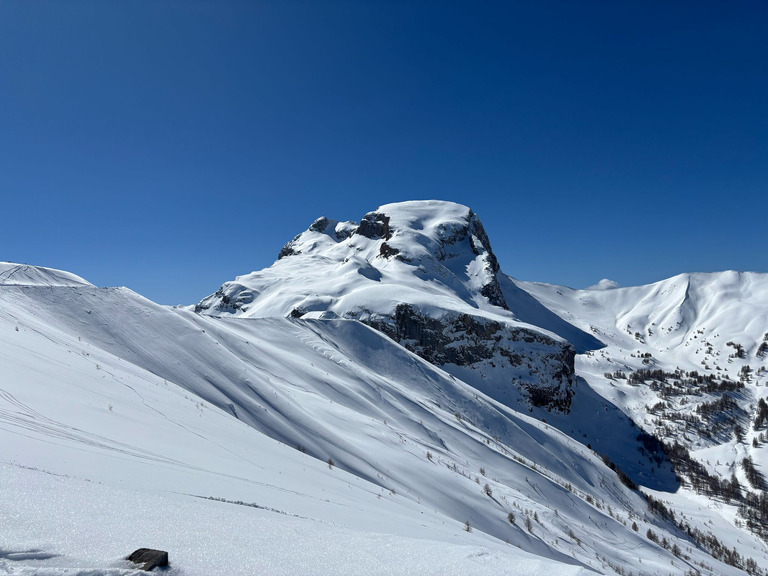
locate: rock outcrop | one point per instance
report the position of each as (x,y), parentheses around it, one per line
(535,363)
(150,558)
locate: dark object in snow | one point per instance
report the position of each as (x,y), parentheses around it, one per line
(375,225)
(150,558)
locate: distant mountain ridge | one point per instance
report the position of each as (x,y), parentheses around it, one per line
(687,359)
(712,324)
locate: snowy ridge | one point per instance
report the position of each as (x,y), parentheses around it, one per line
(714,324)
(667,314)
(24,275)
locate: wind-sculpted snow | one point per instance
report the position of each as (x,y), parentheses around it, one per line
(24,275)
(424,274)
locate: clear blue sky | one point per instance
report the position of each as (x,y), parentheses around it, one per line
(171,145)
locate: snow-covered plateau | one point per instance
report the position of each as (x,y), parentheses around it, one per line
(385,400)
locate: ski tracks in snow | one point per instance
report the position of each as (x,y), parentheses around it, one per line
(18,418)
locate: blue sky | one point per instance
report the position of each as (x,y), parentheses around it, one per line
(171,145)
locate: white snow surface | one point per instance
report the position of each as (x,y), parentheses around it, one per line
(24,275)
(101,456)
(125,424)
(441,265)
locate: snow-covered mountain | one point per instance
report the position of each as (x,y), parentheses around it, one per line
(422,273)
(367,405)
(709,329)
(25,275)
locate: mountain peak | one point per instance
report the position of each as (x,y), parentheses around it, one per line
(423,273)
(429,222)
(439,239)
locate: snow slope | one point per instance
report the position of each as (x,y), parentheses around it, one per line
(24,275)
(691,322)
(128,424)
(100,457)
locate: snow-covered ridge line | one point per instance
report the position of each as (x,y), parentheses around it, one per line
(12,274)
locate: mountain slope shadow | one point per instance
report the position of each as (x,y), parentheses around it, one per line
(527,309)
(601,425)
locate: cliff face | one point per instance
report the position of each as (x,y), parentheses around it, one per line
(535,363)
(424,274)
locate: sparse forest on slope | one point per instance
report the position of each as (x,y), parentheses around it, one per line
(685,359)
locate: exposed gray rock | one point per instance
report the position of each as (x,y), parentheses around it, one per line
(473,234)
(375,225)
(320,225)
(491,290)
(289,248)
(149,558)
(465,340)
(386,251)
(230,297)
(344,230)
